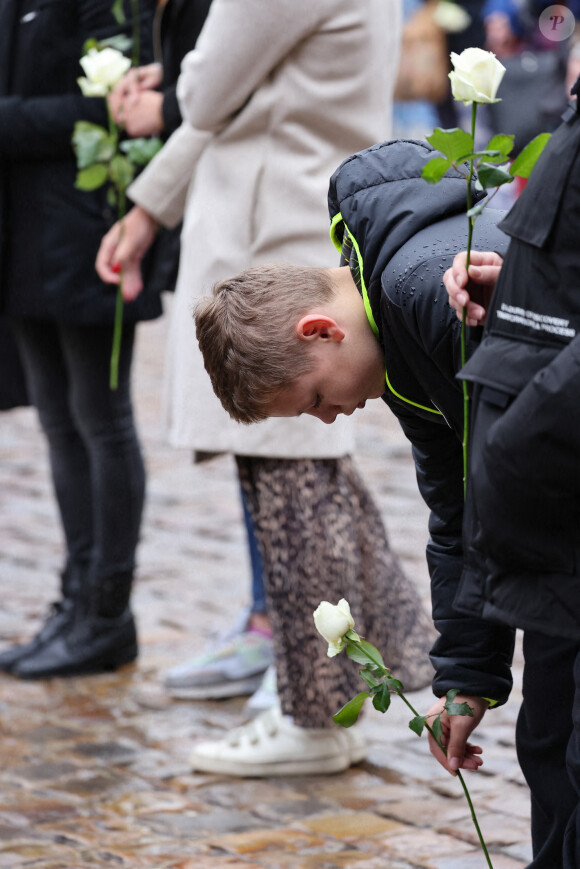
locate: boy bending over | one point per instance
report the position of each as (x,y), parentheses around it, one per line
(279,340)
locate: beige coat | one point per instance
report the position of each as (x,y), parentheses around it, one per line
(275,95)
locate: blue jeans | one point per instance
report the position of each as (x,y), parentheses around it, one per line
(95,457)
(258,604)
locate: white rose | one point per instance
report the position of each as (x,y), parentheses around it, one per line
(476,76)
(90,89)
(333,622)
(450,17)
(103,69)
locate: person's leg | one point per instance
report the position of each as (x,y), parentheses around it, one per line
(47,383)
(323,538)
(571,859)
(104,636)
(104,418)
(258,605)
(544,729)
(237,663)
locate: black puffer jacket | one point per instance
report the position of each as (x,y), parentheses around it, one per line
(50,231)
(399,234)
(522,525)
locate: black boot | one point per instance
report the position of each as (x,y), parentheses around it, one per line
(92,644)
(59,620)
(101,637)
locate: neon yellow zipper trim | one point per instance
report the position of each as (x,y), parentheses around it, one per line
(338,245)
(333,230)
(338,218)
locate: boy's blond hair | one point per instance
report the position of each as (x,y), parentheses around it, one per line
(247,334)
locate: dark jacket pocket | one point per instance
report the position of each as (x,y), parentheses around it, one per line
(524,458)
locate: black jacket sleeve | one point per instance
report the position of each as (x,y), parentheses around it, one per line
(38,113)
(171,111)
(40,128)
(470,654)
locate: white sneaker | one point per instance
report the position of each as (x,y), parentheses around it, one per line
(272,745)
(266,696)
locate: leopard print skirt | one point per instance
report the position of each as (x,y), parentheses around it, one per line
(322,537)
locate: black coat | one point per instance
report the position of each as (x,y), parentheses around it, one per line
(399,234)
(180,23)
(50,231)
(522,529)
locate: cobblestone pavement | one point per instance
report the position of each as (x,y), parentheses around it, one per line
(94,771)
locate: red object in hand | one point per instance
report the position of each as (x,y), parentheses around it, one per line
(116,267)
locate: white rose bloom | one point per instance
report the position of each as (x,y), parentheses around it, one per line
(476,76)
(103,69)
(450,17)
(90,89)
(333,622)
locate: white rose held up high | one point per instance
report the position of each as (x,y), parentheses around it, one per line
(475,80)
(476,76)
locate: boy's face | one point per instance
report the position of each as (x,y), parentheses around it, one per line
(346,373)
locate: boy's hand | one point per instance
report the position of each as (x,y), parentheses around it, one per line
(461,754)
(484,268)
(123,248)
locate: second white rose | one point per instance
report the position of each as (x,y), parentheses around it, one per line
(333,622)
(103,69)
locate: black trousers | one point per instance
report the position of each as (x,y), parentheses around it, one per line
(548,746)
(95,457)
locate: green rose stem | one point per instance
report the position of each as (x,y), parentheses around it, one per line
(470,221)
(119,308)
(122,208)
(136,47)
(100,157)
(373,656)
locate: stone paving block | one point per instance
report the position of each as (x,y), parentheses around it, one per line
(520,851)
(512,799)
(336,791)
(497,829)
(203,824)
(474,861)
(352,826)
(31,812)
(215,862)
(404,758)
(347,859)
(256,841)
(421,845)
(248,793)
(432,810)
(480,786)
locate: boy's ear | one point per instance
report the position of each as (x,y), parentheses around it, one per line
(313,326)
